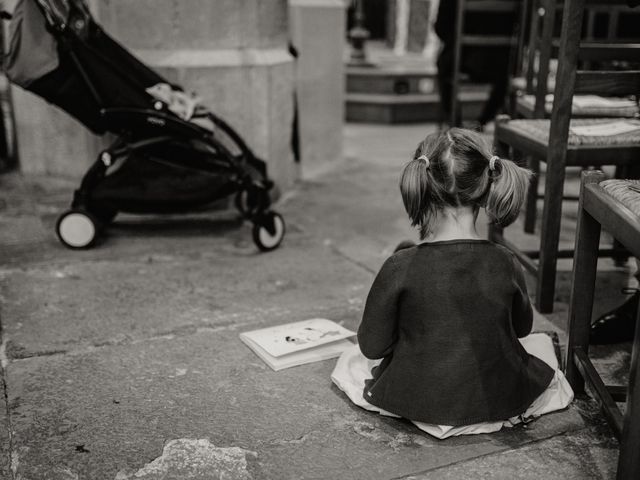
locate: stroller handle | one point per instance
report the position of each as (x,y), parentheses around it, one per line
(57,12)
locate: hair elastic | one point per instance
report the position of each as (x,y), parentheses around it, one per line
(492,162)
(426,160)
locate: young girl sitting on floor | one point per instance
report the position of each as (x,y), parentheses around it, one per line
(443,317)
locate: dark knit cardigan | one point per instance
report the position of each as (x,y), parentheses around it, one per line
(446,317)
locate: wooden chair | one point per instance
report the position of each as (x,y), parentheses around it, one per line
(551,141)
(462,39)
(534,48)
(536,98)
(611,206)
(534,101)
(540,23)
(524,34)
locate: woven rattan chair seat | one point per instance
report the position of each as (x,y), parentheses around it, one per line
(627,192)
(539,131)
(620,108)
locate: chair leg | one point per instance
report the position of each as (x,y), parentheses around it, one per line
(582,286)
(550,236)
(531,208)
(629,460)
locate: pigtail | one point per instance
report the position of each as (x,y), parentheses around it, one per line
(507,191)
(414,183)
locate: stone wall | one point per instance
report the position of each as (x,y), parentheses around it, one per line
(317,32)
(233,53)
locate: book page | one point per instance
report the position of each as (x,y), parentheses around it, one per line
(315,354)
(293,337)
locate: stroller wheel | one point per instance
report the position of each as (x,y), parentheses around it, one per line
(77,229)
(268,231)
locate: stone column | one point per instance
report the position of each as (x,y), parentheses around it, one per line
(411,26)
(317,32)
(233,53)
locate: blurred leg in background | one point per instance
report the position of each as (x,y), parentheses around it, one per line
(485,64)
(445,86)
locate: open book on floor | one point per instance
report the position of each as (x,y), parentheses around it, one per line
(297,343)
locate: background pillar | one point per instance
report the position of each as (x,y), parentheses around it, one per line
(318,33)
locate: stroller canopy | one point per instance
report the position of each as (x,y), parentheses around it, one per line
(58,12)
(32,50)
(58,52)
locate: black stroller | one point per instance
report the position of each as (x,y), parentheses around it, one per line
(170,155)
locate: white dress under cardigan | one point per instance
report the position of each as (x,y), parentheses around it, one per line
(353,369)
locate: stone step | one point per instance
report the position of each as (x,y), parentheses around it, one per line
(399,80)
(391,80)
(410,108)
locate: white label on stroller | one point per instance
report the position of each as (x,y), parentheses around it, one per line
(156,121)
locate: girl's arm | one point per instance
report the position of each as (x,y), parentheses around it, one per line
(377,333)
(522,312)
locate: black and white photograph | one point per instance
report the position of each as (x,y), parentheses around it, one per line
(320,240)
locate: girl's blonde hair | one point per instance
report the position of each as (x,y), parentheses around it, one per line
(457,168)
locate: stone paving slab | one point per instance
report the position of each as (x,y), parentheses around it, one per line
(69,304)
(581,455)
(112,409)
(152,276)
(125,360)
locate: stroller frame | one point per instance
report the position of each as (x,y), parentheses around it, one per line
(247,173)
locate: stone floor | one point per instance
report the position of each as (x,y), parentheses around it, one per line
(124,361)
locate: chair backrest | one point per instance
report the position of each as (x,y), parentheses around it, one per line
(523,37)
(592,53)
(548,12)
(614,83)
(614,16)
(569,81)
(536,15)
